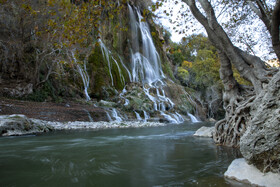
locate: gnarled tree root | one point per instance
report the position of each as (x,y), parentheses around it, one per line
(229,130)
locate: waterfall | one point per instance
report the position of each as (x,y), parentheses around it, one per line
(116,116)
(85,78)
(145,68)
(145,64)
(121,96)
(128,72)
(181,119)
(126,102)
(108,116)
(89,116)
(83,73)
(120,72)
(138,116)
(146,116)
(107,55)
(168,117)
(193,118)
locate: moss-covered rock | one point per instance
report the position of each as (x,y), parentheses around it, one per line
(107,104)
(135,104)
(98,73)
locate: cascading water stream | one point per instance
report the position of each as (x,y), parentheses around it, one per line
(108,116)
(83,73)
(138,117)
(122,96)
(89,116)
(85,78)
(109,57)
(145,68)
(181,119)
(193,118)
(128,72)
(116,116)
(105,53)
(168,117)
(146,116)
(146,65)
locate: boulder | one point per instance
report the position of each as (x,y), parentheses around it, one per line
(241,171)
(107,104)
(11,125)
(15,125)
(205,132)
(19,90)
(212,120)
(260,144)
(135,104)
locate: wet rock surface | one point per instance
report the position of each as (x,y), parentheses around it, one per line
(20,125)
(241,171)
(16,125)
(205,132)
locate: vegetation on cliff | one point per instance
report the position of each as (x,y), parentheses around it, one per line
(42,43)
(59,50)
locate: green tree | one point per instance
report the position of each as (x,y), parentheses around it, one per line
(197,60)
(47,37)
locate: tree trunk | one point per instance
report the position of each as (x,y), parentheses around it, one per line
(225,131)
(272,22)
(237,98)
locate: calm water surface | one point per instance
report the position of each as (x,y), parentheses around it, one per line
(161,156)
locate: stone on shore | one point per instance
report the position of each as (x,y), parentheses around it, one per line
(205,132)
(241,171)
(20,125)
(15,125)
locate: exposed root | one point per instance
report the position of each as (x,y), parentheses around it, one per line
(229,130)
(271,165)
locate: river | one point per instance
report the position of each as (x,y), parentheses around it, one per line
(157,156)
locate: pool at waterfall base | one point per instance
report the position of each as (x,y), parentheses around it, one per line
(154,156)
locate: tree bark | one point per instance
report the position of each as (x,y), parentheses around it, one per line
(237,98)
(252,71)
(272,22)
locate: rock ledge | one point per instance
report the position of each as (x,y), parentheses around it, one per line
(205,132)
(241,171)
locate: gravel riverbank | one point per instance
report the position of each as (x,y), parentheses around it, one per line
(15,125)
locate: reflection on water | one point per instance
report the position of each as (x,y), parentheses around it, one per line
(163,156)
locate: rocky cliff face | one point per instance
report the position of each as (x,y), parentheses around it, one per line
(260,144)
(127,66)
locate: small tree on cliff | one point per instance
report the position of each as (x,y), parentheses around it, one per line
(237,98)
(42,35)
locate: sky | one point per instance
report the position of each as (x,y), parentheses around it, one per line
(255,29)
(164,20)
